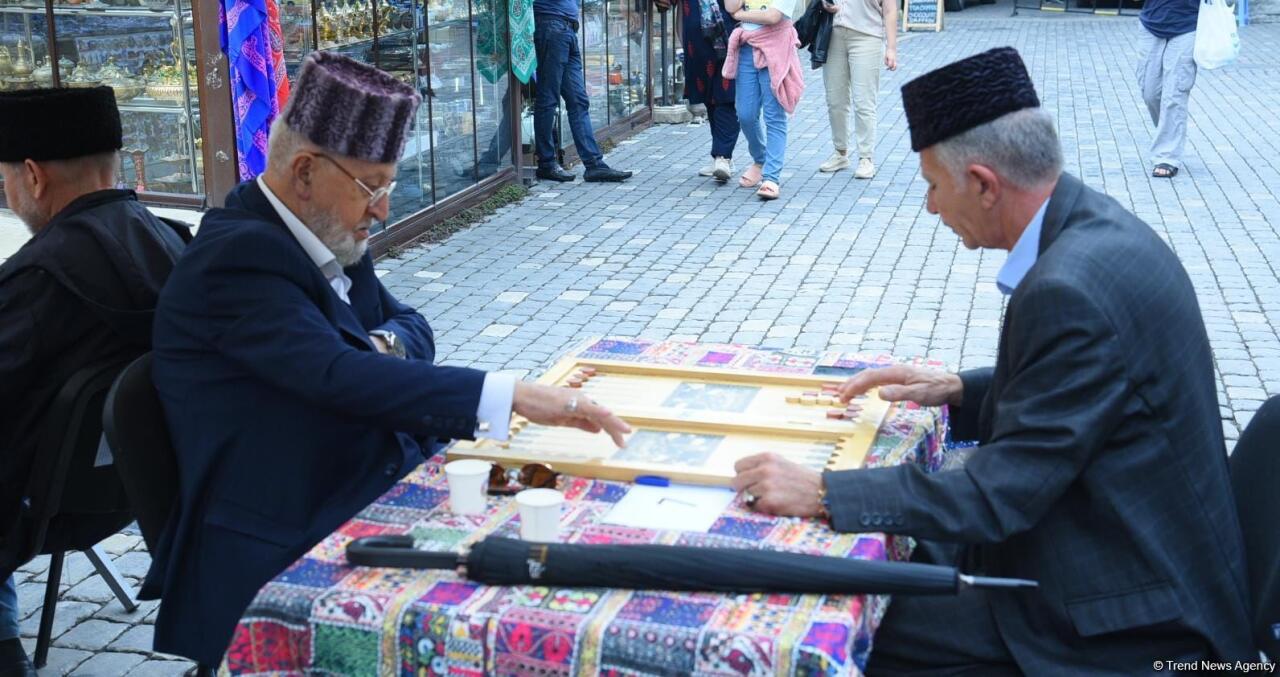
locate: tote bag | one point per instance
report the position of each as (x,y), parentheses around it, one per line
(1217,40)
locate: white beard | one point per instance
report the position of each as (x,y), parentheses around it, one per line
(337,238)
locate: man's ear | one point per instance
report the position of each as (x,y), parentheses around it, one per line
(36,178)
(303,174)
(986,184)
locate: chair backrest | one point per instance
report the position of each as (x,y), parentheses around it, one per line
(1255,480)
(139,439)
(70,502)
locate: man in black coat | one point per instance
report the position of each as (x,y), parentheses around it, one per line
(80,292)
(1101,470)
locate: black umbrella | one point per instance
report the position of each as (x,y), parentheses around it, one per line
(505,561)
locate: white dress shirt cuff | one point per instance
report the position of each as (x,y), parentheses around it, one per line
(493,416)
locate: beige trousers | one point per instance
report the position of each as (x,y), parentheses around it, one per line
(853,71)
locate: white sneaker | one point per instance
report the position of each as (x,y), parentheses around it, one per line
(722,169)
(708,170)
(835,163)
(866,169)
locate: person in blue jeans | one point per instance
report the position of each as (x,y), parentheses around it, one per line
(13,659)
(560,74)
(768,144)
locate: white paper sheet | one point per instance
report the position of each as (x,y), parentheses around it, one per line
(676,508)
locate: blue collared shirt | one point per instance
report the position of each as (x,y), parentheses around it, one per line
(1023,255)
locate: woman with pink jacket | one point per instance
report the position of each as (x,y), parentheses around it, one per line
(762,57)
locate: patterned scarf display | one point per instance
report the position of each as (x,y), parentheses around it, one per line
(524,59)
(713,28)
(491,39)
(253,43)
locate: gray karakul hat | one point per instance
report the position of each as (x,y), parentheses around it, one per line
(960,96)
(351,108)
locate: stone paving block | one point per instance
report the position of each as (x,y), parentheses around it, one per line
(92,634)
(160,668)
(68,615)
(109,664)
(63,661)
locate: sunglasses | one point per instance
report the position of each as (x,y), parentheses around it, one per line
(504,482)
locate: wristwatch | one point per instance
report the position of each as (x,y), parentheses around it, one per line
(394,347)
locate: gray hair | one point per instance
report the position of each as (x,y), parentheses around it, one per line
(283,143)
(1022,147)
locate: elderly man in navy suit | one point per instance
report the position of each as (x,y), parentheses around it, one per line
(296,388)
(1101,470)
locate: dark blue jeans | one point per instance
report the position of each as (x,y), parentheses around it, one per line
(560,74)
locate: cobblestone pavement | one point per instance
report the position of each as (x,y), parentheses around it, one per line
(836,262)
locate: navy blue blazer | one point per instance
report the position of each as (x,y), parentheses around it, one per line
(285,419)
(1101,472)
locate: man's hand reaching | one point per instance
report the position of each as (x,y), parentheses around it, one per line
(548,405)
(928,387)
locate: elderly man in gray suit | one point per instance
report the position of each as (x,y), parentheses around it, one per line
(1101,470)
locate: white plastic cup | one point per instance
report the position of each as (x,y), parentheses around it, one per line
(468,480)
(540,514)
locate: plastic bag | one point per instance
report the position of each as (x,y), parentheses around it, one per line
(1217,39)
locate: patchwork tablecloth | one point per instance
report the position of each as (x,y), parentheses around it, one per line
(324,616)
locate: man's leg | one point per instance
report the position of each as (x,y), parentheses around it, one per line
(1179,70)
(8,609)
(550,43)
(866,58)
(724,128)
(952,635)
(13,658)
(1150,73)
(835,79)
(573,87)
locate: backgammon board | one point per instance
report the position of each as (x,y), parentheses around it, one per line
(691,424)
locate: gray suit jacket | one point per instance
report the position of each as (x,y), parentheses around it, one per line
(1101,470)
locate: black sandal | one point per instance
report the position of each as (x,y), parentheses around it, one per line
(1164,171)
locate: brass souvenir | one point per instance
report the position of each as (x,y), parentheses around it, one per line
(123,85)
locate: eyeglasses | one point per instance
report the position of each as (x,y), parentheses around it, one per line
(374,195)
(504,482)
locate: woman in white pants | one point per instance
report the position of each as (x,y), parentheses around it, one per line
(864,33)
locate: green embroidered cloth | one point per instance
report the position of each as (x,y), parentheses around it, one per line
(524,60)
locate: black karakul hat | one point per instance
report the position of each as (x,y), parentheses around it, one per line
(58,124)
(960,96)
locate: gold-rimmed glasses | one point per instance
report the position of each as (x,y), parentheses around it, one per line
(375,195)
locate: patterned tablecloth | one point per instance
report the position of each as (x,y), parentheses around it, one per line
(325,616)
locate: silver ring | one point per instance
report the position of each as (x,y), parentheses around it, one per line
(749,499)
(572,406)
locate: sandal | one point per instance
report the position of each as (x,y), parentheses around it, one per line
(1164,170)
(751,177)
(768,191)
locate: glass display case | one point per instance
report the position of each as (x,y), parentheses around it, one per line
(144,50)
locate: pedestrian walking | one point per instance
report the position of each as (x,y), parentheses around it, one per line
(762,56)
(864,34)
(706,28)
(1166,74)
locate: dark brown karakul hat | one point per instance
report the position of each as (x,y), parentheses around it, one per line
(58,124)
(350,108)
(960,96)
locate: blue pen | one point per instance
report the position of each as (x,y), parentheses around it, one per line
(653,480)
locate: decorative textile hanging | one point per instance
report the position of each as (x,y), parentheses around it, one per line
(524,58)
(252,41)
(492,57)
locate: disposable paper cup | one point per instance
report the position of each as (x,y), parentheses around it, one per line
(467,480)
(540,514)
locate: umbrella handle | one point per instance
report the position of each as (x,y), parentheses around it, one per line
(397,551)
